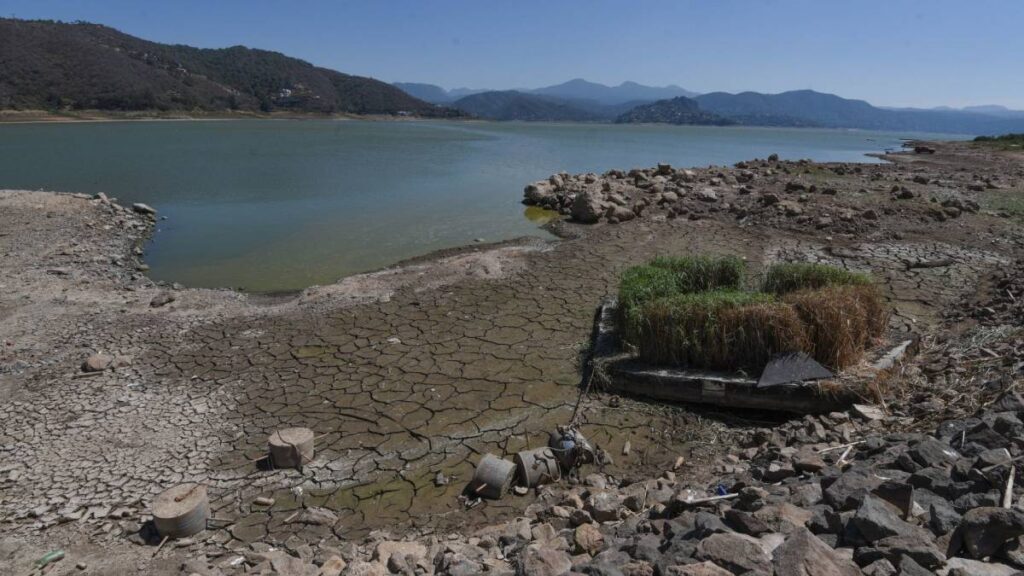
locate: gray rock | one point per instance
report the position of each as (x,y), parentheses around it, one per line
(699,569)
(848,491)
(538,560)
(985,530)
(737,553)
(923,550)
(876,520)
(803,554)
(968,567)
(880,568)
(933,453)
(588,207)
(146,209)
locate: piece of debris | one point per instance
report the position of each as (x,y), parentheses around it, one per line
(440,479)
(181,511)
(97,362)
(492,477)
(868,412)
(291,447)
(162,299)
(792,368)
(146,209)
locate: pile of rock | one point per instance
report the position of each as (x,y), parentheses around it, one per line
(825,495)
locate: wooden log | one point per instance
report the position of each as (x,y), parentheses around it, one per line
(181,511)
(291,447)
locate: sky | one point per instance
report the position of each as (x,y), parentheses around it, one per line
(891,53)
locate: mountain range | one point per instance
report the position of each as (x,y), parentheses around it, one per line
(46,65)
(579,100)
(576,89)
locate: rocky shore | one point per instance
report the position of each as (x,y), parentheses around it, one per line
(116,388)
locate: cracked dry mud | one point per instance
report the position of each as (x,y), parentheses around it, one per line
(403,373)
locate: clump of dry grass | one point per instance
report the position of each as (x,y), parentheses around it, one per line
(716,329)
(840,321)
(690,311)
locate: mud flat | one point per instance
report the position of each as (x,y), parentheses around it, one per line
(416,371)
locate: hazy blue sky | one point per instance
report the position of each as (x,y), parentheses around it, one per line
(891,52)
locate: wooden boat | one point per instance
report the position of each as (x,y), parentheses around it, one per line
(628,376)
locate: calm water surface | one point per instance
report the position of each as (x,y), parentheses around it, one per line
(280,205)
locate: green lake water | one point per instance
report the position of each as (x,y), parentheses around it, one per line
(272,205)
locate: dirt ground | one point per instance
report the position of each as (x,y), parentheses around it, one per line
(410,372)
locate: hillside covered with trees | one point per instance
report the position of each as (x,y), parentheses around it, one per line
(46,65)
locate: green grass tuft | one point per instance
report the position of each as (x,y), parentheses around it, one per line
(641,284)
(794,276)
(702,273)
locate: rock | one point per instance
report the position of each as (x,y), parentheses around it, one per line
(880,568)
(848,491)
(791,208)
(868,412)
(778,471)
(808,461)
(620,214)
(706,195)
(933,453)
(538,193)
(909,567)
(967,567)
(784,517)
(385,550)
(876,520)
(701,569)
(803,554)
(603,506)
(162,299)
(746,522)
(333,566)
(146,209)
(985,530)
(97,362)
(587,208)
(737,553)
(538,560)
(923,550)
(589,539)
(869,214)
(362,568)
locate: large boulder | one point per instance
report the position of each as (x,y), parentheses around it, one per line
(803,554)
(588,207)
(538,193)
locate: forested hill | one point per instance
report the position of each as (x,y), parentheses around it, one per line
(47,65)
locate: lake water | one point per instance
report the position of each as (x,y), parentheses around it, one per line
(279,205)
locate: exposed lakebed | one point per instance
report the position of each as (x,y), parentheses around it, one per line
(280,205)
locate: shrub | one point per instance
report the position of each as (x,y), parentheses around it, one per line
(840,321)
(702,273)
(717,329)
(794,276)
(641,284)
